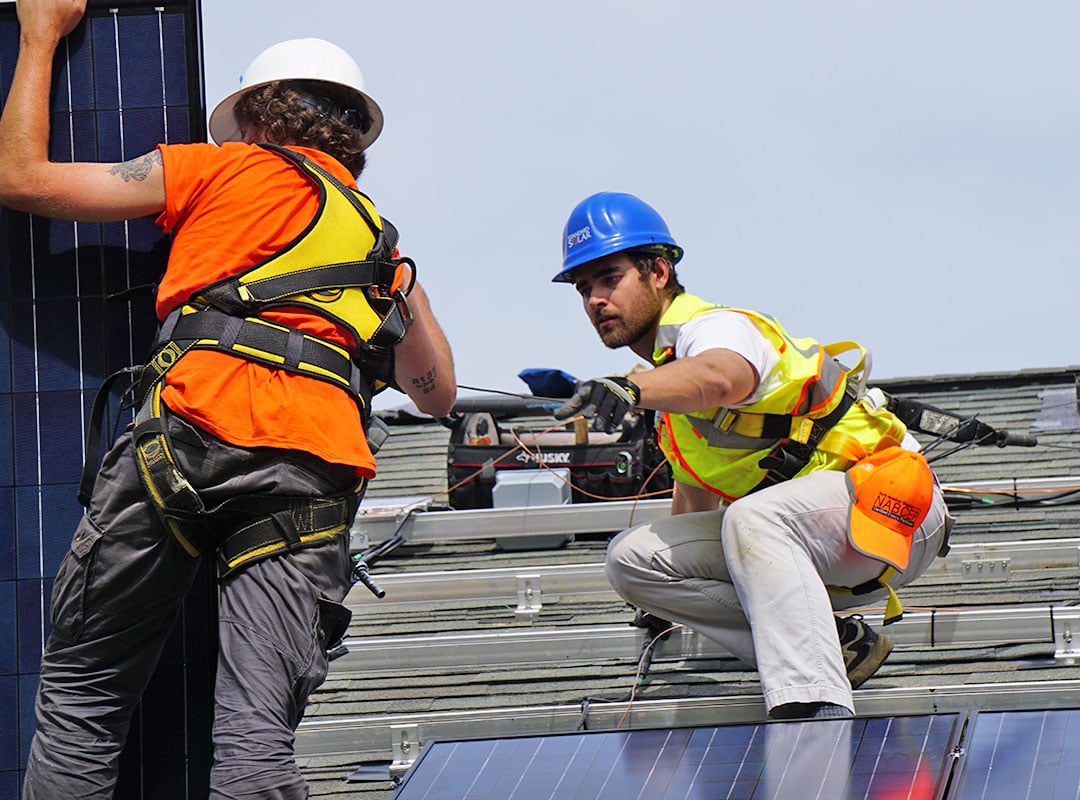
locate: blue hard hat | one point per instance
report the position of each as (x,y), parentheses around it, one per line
(610,222)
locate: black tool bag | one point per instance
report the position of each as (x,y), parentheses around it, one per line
(482,445)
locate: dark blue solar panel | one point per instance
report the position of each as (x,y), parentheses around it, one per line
(126,80)
(9,700)
(1022,755)
(828,759)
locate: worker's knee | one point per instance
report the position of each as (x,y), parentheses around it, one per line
(625,562)
(749,535)
(741,520)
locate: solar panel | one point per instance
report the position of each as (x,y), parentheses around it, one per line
(128,78)
(896,757)
(1022,755)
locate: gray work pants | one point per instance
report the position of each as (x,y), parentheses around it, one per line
(753,577)
(118,592)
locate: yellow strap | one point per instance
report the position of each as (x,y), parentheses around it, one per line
(860,372)
(894,610)
(281,546)
(837,348)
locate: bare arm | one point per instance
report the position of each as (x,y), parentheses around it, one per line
(710,379)
(423,362)
(91,192)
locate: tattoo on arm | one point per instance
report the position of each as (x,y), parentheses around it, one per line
(426,382)
(137,169)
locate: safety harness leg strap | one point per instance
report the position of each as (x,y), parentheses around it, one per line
(160,474)
(894,611)
(261,525)
(304,522)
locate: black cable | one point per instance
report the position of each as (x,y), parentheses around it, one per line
(522,395)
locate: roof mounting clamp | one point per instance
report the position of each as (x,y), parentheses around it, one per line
(984,569)
(1065,651)
(359,540)
(405,744)
(530,597)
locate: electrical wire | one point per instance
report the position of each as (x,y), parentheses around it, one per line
(640,668)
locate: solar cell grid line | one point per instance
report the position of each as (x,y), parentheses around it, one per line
(1021,755)
(855,759)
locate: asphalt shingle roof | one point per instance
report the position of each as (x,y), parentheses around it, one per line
(1001,496)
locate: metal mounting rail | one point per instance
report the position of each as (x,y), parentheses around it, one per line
(432,527)
(999,560)
(530,587)
(977,627)
(399,737)
(1007,485)
(533,586)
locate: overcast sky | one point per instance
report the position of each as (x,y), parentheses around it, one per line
(901,174)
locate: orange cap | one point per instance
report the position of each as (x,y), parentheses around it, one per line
(891,492)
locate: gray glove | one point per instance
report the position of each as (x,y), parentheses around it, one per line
(605,400)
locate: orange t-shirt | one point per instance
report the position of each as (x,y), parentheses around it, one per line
(227,208)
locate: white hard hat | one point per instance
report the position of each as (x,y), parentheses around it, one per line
(297,59)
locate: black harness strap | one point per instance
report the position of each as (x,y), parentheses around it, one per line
(242,528)
(93,435)
(228,296)
(789,458)
(299,523)
(256,339)
(162,478)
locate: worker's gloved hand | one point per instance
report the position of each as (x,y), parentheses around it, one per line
(605,400)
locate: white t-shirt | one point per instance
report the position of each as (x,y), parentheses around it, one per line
(733,331)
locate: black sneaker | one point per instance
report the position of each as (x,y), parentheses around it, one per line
(863,650)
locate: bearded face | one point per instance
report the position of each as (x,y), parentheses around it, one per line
(624,326)
(623,305)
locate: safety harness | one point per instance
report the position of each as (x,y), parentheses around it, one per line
(323,270)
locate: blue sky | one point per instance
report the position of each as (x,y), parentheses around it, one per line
(901,174)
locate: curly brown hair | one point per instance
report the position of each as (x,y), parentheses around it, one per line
(283,112)
(645,259)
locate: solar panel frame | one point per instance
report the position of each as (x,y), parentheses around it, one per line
(901,756)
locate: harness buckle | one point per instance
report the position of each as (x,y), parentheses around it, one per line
(803,431)
(725,419)
(164,358)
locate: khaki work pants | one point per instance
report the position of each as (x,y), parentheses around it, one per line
(753,578)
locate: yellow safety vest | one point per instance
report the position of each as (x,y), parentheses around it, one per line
(818,407)
(341,267)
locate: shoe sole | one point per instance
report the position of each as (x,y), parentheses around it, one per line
(880,651)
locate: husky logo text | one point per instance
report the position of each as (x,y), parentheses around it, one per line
(543,458)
